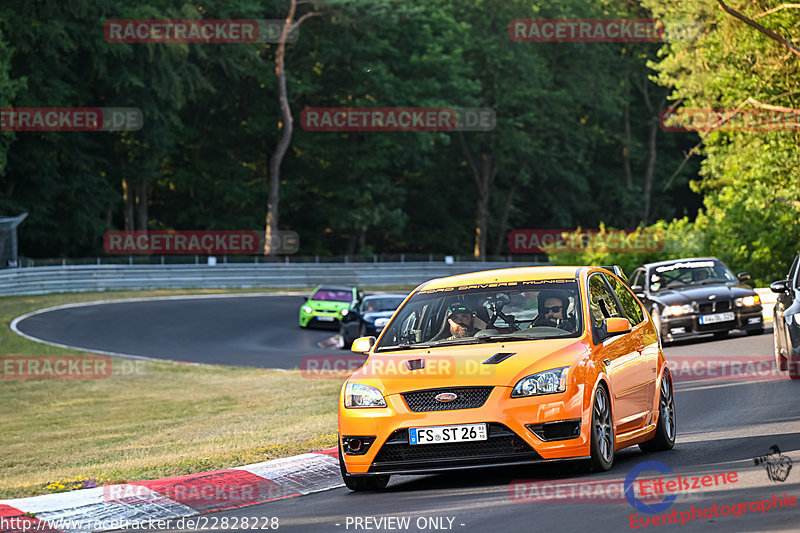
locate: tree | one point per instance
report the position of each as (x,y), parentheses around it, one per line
(286,125)
(733,66)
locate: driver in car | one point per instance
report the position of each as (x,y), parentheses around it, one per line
(553,311)
(461,322)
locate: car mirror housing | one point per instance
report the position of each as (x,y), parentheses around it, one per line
(780,286)
(617,326)
(363,344)
(743,276)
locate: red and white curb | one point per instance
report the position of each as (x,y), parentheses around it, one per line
(115,506)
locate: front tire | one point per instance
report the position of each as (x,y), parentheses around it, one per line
(602,432)
(794,368)
(348,342)
(360,484)
(779,358)
(664,436)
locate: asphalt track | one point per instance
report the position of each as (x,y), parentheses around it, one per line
(722,426)
(259,331)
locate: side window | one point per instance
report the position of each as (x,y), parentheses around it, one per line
(627,300)
(601,302)
(636,278)
(793,272)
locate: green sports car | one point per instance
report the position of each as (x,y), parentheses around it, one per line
(328,304)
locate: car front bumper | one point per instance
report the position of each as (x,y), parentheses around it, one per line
(510,440)
(320,318)
(677,327)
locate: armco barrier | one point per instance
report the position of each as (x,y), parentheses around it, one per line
(44,280)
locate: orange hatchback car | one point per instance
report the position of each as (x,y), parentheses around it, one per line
(506,367)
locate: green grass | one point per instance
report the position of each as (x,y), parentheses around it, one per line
(149,419)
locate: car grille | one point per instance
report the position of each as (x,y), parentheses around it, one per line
(715,307)
(466,398)
(502,445)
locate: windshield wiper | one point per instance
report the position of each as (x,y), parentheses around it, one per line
(403,347)
(457,342)
(483,338)
(507,337)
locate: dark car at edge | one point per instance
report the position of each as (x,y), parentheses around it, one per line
(369,318)
(786,328)
(695,296)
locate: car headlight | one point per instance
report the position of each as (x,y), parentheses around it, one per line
(547,382)
(344,312)
(675,310)
(307,309)
(358,395)
(381,322)
(748,301)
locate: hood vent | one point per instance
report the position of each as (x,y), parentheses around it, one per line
(498,358)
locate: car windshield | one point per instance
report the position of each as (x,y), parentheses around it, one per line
(375,305)
(332,295)
(491,312)
(689,274)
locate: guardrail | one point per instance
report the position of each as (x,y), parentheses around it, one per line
(44,280)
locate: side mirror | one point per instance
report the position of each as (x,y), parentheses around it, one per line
(617,326)
(743,276)
(363,344)
(780,286)
(638,290)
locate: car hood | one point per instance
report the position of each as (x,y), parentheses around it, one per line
(464,365)
(702,293)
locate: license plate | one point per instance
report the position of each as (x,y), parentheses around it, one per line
(719,317)
(325,318)
(442,434)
